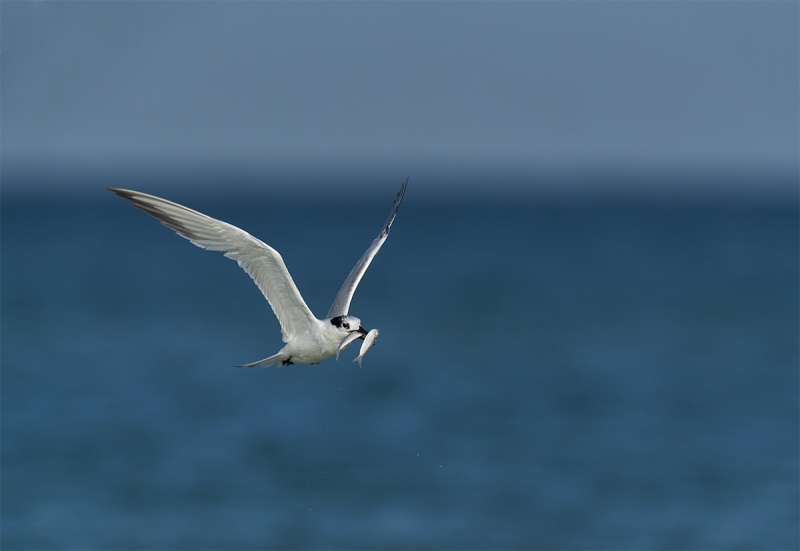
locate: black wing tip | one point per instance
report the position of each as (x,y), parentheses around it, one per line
(398,199)
(133,196)
(395,207)
(402,192)
(153,210)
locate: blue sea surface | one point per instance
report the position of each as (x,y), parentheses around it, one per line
(548,376)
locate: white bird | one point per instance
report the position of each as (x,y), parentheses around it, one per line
(308,340)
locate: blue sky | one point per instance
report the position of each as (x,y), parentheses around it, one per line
(525,95)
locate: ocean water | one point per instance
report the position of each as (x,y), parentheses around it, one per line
(548,376)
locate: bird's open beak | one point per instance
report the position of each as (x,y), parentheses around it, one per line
(361,332)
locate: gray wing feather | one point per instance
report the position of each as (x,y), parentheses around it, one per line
(259,260)
(341,304)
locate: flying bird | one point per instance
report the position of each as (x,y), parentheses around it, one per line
(309,340)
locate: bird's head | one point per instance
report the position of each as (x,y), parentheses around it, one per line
(349,324)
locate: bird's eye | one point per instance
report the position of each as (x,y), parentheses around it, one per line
(346,325)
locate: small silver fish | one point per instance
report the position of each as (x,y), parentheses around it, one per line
(346,342)
(369,342)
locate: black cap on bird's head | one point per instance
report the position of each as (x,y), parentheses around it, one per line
(349,324)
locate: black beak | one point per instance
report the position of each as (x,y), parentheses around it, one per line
(362,332)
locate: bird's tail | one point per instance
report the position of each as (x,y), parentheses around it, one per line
(266,362)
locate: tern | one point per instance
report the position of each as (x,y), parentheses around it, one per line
(309,340)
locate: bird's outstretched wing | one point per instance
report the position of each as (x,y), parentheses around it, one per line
(341,304)
(259,260)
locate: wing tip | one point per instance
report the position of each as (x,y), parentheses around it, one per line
(395,207)
(402,192)
(121,192)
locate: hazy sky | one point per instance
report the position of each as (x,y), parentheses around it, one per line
(390,89)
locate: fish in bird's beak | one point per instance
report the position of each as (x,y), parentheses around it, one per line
(369,342)
(362,332)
